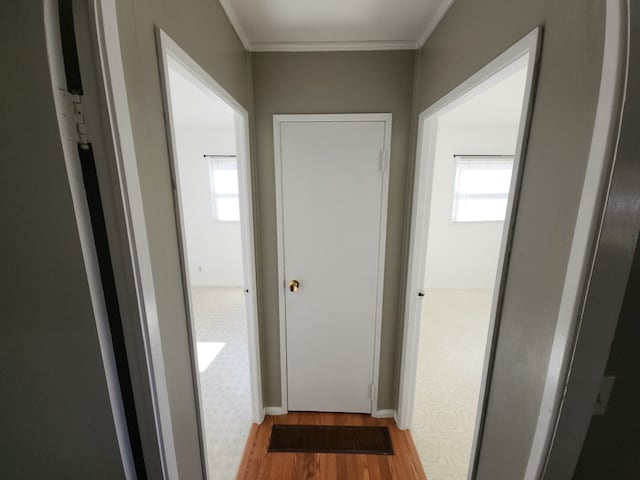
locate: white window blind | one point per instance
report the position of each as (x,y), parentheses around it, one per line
(223,176)
(481,189)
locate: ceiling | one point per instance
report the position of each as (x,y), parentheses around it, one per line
(496,105)
(308,25)
(194,105)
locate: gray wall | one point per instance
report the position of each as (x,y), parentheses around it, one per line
(203,31)
(612,444)
(332,82)
(56,419)
(470,35)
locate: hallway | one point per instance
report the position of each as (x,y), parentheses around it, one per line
(258,463)
(114,364)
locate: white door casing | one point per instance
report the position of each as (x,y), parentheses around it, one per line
(170,52)
(332,188)
(526,50)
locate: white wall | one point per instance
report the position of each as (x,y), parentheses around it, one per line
(462,255)
(214,249)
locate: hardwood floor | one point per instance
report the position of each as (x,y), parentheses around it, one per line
(258,464)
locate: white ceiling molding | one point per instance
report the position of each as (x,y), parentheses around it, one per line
(227,6)
(326,46)
(435,20)
(332,46)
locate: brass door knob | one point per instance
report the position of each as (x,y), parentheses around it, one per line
(294,285)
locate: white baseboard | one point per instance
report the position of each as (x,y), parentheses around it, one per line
(390,413)
(275,411)
(385,414)
(396,417)
(260,417)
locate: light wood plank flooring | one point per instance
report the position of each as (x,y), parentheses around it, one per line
(258,464)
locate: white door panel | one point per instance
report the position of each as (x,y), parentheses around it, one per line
(331,208)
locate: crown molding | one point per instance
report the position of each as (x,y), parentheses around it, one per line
(227,6)
(435,20)
(332,46)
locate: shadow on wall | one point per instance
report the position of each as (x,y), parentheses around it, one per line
(612,444)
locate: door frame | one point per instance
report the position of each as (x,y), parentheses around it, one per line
(169,48)
(600,259)
(278,120)
(423,178)
(135,279)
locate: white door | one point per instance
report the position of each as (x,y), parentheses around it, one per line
(333,189)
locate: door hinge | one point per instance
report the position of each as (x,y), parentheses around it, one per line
(73,119)
(384,160)
(372,391)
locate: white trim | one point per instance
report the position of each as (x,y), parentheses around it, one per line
(333,46)
(434,21)
(353,117)
(85,232)
(588,220)
(170,48)
(275,411)
(249,264)
(487,76)
(382,248)
(282,325)
(151,359)
(385,413)
(415,272)
(227,6)
(167,48)
(497,69)
(530,45)
(333,117)
(328,46)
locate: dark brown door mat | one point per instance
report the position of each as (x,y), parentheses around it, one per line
(330,439)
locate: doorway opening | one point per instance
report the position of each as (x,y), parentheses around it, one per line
(468,171)
(208,134)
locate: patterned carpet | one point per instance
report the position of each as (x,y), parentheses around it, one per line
(450,361)
(220,319)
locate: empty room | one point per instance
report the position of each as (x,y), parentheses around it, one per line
(207,156)
(471,168)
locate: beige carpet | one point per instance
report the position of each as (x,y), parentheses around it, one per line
(221,333)
(453,336)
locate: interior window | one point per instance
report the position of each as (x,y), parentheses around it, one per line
(223,174)
(481,189)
